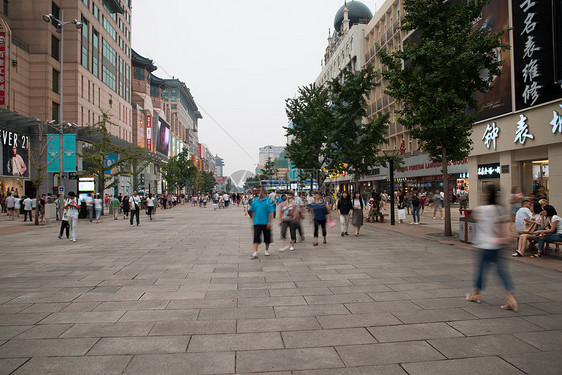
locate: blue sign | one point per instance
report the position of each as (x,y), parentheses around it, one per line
(109,161)
(69,153)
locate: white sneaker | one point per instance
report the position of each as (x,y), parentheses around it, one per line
(292,248)
(417,223)
(412,223)
(74,240)
(266,253)
(254,255)
(284,248)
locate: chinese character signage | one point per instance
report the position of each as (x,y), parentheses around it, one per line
(522,132)
(556,121)
(149,133)
(533,52)
(495,16)
(491,135)
(486,171)
(14,154)
(2,68)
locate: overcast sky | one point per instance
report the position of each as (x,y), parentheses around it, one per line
(241,59)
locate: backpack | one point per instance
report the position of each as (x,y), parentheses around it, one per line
(415,200)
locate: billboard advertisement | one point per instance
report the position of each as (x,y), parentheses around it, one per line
(149,133)
(495,17)
(69,153)
(535,25)
(14,152)
(3,68)
(163,137)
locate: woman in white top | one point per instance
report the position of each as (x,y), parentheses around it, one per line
(150,205)
(523,238)
(490,238)
(553,234)
(98,205)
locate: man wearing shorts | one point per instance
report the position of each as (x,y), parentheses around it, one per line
(261,211)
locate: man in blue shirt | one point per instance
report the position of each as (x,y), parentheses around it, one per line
(261,210)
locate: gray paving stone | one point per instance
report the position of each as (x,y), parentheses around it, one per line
(21,319)
(300,292)
(428,316)
(183,304)
(132,305)
(494,326)
(360,289)
(338,298)
(388,306)
(411,332)
(182,364)
(45,307)
(545,341)
(83,317)
(81,307)
(357,320)
(8,332)
(327,337)
(45,331)
(381,354)
(310,310)
(551,307)
(46,347)
(109,329)
(180,327)
(159,315)
(235,342)
(250,293)
(363,370)
(544,363)
(277,324)
(553,321)
(287,359)
(8,309)
(481,346)
(140,345)
(271,301)
(236,313)
(7,366)
(468,366)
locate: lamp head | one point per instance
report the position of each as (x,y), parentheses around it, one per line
(77,23)
(47,17)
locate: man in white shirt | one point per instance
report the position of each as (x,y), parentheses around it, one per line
(523,213)
(10,204)
(134,204)
(226,198)
(27,208)
(73,208)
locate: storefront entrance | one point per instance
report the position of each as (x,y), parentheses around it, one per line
(533,175)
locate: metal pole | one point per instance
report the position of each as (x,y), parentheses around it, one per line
(61,149)
(391,162)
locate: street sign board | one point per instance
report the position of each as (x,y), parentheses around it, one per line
(61,189)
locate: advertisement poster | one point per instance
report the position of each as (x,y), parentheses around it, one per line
(534,24)
(2,68)
(14,153)
(163,137)
(495,16)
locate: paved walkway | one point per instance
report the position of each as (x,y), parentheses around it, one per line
(180,295)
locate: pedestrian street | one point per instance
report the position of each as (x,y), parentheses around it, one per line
(180,295)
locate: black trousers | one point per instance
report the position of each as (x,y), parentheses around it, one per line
(64,225)
(321,223)
(133,214)
(30,216)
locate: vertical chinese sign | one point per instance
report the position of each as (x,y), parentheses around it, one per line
(2,68)
(149,133)
(534,55)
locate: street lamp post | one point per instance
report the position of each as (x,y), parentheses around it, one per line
(390,155)
(61,24)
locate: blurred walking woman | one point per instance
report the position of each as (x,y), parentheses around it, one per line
(490,238)
(357,219)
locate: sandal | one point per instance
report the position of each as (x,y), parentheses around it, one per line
(474,298)
(538,254)
(517,253)
(510,306)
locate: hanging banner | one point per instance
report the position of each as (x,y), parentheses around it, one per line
(149,133)
(2,68)
(69,153)
(14,152)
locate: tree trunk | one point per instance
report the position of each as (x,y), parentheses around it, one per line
(446,200)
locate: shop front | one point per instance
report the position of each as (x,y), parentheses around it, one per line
(521,150)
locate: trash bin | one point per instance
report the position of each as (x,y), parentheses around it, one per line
(471,232)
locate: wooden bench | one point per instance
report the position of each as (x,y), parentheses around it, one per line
(377,217)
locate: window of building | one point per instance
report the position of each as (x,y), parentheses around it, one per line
(55,11)
(109,65)
(96,11)
(121,43)
(110,10)
(55,78)
(139,73)
(174,95)
(121,24)
(107,26)
(154,91)
(55,47)
(85,2)
(85,42)
(127,51)
(128,17)
(55,111)
(127,82)
(95,52)
(5,7)
(121,77)
(127,35)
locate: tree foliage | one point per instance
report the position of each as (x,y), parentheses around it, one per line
(94,155)
(436,75)
(354,145)
(179,172)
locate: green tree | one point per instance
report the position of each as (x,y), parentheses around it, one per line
(435,77)
(354,144)
(209,181)
(179,172)
(311,120)
(270,169)
(103,144)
